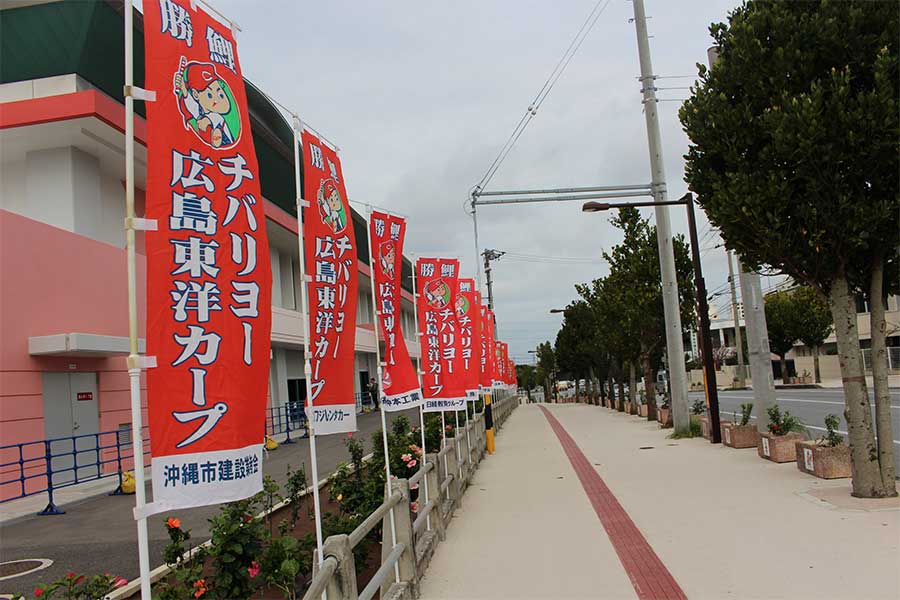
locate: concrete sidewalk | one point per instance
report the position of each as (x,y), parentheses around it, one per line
(541,520)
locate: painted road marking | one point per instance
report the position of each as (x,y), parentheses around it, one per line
(742,397)
(649,576)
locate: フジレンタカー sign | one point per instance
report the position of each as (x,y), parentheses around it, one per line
(439,337)
(399,383)
(329,245)
(208,270)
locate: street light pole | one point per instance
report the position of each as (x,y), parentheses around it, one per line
(705,339)
(674,344)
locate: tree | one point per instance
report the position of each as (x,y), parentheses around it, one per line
(574,341)
(794,157)
(546,360)
(527,378)
(782,323)
(813,321)
(629,299)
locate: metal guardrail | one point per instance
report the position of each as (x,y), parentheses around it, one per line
(446,475)
(46,466)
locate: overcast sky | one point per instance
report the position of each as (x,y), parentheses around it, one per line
(420,96)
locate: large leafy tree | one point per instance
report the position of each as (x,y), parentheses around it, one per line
(782,324)
(546,365)
(794,156)
(575,341)
(814,321)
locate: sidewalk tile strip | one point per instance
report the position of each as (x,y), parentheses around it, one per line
(649,576)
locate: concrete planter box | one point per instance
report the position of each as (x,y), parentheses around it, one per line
(643,409)
(778,448)
(706,428)
(628,407)
(664,416)
(740,436)
(825,462)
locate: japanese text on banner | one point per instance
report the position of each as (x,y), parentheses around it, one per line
(331,264)
(208,270)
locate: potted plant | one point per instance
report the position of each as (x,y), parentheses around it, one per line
(805,377)
(827,457)
(642,407)
(664,412)
(741,434)
(779,444)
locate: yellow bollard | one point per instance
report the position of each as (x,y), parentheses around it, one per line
(488,423)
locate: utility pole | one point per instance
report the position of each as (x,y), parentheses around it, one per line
(674,344)
(742,373)
(490,255)
(758,345)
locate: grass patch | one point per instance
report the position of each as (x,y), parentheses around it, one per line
(694,431)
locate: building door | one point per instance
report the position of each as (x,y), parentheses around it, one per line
(296,401)
(71,417)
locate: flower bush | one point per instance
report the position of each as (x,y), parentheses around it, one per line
(75,586)
(782,423)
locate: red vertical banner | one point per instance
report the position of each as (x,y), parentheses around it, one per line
(399,382)
(467,313)
(487,348)
(208,271)
(437,287)
(499,364)
(329,247)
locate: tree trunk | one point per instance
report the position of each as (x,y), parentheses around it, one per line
(649,386)
(576,389)
(784,373)
(621,406)
(817,374)
(883,428)
(632,386)
(612,391)
(866,482)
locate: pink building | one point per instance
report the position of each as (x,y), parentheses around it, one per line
(63,302)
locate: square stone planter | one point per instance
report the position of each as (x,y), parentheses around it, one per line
(706,428)
(628,407)
(779,448)
(642,410)
(664,416)
(825,462)
(740,436)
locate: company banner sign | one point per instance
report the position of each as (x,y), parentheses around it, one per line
(440,344)
(399,383)
(329,245)
(467,313)
(208,269)
(487,348)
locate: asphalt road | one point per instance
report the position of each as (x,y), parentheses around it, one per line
(810,406)
(99,535)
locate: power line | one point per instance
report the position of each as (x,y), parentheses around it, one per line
(551,80)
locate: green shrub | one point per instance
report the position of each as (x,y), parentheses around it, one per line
(782,423)
(832,437)
(698,407)
(746,412)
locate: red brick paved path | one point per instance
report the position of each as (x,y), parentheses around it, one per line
(649,576)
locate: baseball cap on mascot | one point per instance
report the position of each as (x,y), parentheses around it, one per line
(199,76)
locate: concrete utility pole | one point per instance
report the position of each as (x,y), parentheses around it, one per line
(758,346)
(490,255)
(742,372)
(674,344)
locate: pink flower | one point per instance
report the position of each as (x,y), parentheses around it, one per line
(449,427)
(253,569)
(414,506)
(38,593)
(406,457)
(414,486)
(120,582)
(412,463)
(350,434)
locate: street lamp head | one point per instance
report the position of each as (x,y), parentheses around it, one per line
(554,311)
(594,206)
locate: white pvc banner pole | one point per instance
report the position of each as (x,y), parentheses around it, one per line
(304,318)
(134,366)
(419,377)
(384,435)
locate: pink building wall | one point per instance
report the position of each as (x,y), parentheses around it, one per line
(54,281)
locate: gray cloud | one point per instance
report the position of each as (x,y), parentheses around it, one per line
(420,96)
